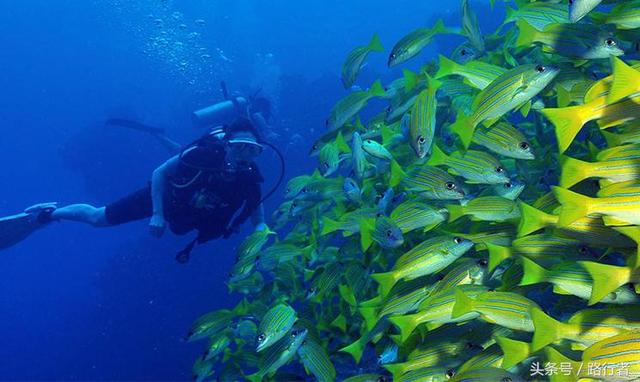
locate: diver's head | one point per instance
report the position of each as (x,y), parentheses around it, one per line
(243,140)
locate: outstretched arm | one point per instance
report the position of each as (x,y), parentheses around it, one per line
(158,189)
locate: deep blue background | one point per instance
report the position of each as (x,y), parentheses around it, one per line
(81,303)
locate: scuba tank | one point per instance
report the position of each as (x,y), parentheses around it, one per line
(221,113)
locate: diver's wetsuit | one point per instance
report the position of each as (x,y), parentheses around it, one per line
(204,195)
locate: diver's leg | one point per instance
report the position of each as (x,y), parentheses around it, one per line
(83,213)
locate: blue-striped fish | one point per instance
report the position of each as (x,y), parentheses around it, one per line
(504,139)
(413,43)
(475,166)
(512,89)
(486,208)
(428,257)
(423,119)
(507,309)
(355,60)
(347,108)
(539,14)
(411,215)
(578,41)
(275,324)
(315,359)
(279,354)
(433,183)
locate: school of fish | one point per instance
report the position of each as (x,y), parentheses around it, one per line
(483,226)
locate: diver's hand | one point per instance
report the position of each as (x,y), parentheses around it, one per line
(157,225)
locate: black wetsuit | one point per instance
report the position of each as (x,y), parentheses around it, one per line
(204,194)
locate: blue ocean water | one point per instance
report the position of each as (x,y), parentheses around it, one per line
(78,303)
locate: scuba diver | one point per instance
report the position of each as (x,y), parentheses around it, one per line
(202,188)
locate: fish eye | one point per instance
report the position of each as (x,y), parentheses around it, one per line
(421,140)
(499,169)
(450,373)
(524,145)
(304,190)
(393,55)
(483,262)
(583,250)
(450,186)
(261,337)
(294,334)
(463,52)
(457,240)
(570,2)
(389,233)
(506,379)
(379,214)
(508,185)
(610,42)
(381,379)
(540,68)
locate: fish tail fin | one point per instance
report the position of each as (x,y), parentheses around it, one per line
(396,370)
(374,302)
(574,205)
(432,84)
(406,324)
(387,135)
(397,174)
(376,89)
(329,226)
(547,330)
(532,219)
(567,121)
(355,349)
(497,254)
(606,279)
(511,14)
(438,157)
(532,273)
(463,305)
(612,139)
(527,35)
(340,322)
(514,351)
(553,355)
(347,295)
(573,171)
(386,281)
(255,377)
(375,45)
(367,226)
(625,80)
(633,233)
(410,79)
(439,27)
(455,212)
(341,144)
(447,67)
(370,315)
(463,128)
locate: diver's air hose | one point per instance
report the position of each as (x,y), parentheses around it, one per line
(282,171)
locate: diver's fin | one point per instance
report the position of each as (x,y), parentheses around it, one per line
(134,125)
(16,228)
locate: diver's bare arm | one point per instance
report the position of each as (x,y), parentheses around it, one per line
(158,185)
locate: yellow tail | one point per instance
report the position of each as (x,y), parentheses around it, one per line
(606,279)
(573,171)
(574,205)
(567,121)
(626,80)
(532,220)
